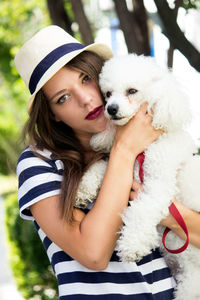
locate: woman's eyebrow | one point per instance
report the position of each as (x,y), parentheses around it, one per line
(57,94)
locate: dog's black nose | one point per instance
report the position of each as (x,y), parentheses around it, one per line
(112,109)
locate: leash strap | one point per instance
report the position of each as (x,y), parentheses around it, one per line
(179,219)
(173,210)
(141,158)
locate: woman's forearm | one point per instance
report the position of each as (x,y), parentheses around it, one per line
(192,220)
(101,224)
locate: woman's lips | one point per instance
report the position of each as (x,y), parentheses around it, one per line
(94,113)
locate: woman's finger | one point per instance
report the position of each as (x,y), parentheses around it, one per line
(143,107)
(133,195)
(136,186)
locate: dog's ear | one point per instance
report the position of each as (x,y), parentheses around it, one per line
(170,105)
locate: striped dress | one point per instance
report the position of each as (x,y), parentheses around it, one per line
(149,279)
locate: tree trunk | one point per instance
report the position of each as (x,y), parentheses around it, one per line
(58,15)
(141,18)
(175,35)
(170,56)
(129,26)
(81,19)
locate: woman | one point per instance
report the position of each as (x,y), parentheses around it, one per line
(66,109)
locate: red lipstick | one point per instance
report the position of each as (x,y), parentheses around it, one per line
(94,113)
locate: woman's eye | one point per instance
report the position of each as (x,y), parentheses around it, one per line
(62,99)
(108,94)
(85,78)
(131,91)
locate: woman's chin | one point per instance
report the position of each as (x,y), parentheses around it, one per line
(103,125)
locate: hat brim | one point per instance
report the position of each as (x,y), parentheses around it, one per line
(101,49)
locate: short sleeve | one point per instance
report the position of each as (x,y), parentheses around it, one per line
(38,179)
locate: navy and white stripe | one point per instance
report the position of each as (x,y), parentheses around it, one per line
(49,60)
(150,279)
(36,175)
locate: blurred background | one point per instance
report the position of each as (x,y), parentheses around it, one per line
(169,30)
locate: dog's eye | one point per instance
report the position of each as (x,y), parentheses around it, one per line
(131,91)
(108,94)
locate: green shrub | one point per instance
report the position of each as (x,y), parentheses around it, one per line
(29,263)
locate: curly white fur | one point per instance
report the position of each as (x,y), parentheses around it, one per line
(170,169)
(90,184)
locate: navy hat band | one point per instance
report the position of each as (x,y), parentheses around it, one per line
(49,60)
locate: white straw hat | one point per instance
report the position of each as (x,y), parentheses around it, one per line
(46,53)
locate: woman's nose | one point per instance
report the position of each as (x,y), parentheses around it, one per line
(83,97)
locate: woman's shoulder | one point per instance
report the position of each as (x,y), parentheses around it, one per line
(32,152)
(39,176)
(33,157)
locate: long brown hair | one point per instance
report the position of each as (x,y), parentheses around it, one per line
(57,137)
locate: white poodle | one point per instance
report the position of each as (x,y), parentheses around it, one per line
(170,168)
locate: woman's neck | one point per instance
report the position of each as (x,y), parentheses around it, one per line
(85,142)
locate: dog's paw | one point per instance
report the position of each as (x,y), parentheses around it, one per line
(130,257)
(138,236)
(132,252)
(90,184)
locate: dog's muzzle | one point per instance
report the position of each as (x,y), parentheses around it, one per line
(113,110)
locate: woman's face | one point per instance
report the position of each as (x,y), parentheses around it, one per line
(75,99)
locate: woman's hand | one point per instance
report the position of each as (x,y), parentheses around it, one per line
(192,220)
(135,188)
(138,133)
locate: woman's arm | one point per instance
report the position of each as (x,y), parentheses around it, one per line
(192,220)
(92,238)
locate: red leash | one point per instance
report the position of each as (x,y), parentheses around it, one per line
(179,219)
(173,210)
(141,158)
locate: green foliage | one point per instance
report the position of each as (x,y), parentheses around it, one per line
(18,21)
(68,9)
(28,259)
(12,116)
(188,4)
(70,14)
